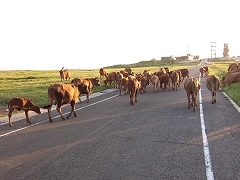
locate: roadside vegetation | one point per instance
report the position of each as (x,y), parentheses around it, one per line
(34,84)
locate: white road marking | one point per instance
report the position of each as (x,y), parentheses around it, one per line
(208,164)
(11,132)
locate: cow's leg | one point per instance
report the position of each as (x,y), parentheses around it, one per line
(59,109)
(9,117)
(131,97)
(136,96)
(73,106)
(194,102)
(88,100)
(188,96)
(49,114)
(27,117)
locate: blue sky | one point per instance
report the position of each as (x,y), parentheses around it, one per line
(77,34)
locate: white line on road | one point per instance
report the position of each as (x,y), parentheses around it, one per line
(208,164)
(11,132)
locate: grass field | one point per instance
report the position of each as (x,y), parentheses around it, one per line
(33,84)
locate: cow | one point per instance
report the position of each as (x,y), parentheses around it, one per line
(133,86)
(89,83)
(165,81)
(129,71)
(206,70)
(111,77)
(231,78)
(233,66)
(185,73)
(155,82)
(203,70)
(192,86)
(122,83)
(213,85)
(102,73)
(65,74)
(175,78)
(64,94)
(22,104)
(143,81)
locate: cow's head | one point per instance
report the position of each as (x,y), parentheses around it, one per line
(36,109)
(97,82)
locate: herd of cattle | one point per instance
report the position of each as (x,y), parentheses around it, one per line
(127,81)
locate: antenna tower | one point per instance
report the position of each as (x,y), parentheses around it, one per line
(213,50)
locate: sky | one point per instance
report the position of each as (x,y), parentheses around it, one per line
(90,34)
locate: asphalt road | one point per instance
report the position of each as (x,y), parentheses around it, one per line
(156,138)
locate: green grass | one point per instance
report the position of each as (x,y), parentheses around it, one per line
(34,84)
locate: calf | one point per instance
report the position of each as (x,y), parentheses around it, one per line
(133,86)
(192,86)
(155,81)
(89,83)
(175,80)
(63,94)
(22,104)
(213,85)
(64,74)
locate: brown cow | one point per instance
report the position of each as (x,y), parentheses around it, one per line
(63,94)
(185,73)
(231,78)
(192,86)
(102,73)
(143,81)
(213,85)
(133,86)
(203,70)
(175,78)
(155,81)
(111,77)
(233,66)
(22,104)
(165,81)
(122,83)
(89,83)
(65,74)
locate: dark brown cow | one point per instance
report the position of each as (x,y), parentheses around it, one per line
(192,86)
(89,83)
(175,80)
(165,81)
(65,74)
(22,104)
(213,85)
(133,86)
(231,78)
(63,94)
(185,73)
(102,73)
